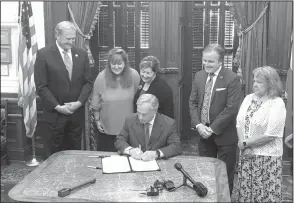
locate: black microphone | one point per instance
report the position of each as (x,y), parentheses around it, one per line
(200,189)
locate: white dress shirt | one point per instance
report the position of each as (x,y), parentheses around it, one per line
(61,52)
(126,151)
(213,82)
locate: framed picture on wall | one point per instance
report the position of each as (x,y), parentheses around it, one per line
(5,36)
(4,70)
(5,55)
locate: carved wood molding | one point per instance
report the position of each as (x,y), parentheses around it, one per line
(171,70)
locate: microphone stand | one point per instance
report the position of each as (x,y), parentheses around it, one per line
(184,184)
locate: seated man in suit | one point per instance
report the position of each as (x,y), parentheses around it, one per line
(148,135)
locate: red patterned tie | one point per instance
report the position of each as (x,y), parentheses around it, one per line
(206,100)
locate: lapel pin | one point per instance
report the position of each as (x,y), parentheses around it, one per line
(140,87)
(76,55)
(221,77)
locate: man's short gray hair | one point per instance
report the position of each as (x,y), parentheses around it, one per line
(64,25)
(149,98)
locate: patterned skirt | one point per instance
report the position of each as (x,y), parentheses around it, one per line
(259,179)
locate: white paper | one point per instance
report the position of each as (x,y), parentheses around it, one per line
(115,164)
(139,165)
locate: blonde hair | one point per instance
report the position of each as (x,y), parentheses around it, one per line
(272,78)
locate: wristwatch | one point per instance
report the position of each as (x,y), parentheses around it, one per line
(244,144)
(158,153)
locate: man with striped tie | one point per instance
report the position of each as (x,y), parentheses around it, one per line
(63,82)
(214,104)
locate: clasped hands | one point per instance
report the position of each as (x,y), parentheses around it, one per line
(68,108)
(204,131)
(137,153)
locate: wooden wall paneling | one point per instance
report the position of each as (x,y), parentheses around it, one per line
(165,42)
(17,143)
(157,32)
(19,146)
(186,80)
(172,51)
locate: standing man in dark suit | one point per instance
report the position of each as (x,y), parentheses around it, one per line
(214,104)
(64,82)
(148,135)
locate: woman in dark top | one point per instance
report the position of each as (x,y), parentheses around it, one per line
(152,84)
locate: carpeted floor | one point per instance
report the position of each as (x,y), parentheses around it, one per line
(15,172)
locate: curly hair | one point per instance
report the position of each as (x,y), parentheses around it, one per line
(272,78)
(150,62)
(125,77)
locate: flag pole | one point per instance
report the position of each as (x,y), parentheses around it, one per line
(34,161)
(26,95)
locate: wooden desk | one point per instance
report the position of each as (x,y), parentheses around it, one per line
(68,168)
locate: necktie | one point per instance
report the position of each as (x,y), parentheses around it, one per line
(206,100)
(68,63)
(146,131)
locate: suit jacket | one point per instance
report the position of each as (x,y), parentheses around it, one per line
(224,106)
(164,94)
(53,84)
(163,135)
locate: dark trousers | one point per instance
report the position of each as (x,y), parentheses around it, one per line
(226,153)
(106,142)
(64,134)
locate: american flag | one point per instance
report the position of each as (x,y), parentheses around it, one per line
(27,55)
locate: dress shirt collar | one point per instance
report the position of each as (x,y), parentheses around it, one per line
(217,72)
(152,120)
(61,50)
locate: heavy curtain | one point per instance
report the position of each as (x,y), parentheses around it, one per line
(265,34)
(85,16)
(254,40)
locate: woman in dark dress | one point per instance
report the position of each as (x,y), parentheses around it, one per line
(151,83)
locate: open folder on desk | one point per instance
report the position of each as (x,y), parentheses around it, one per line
(125,164)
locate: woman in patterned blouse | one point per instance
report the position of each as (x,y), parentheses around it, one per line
(260,127)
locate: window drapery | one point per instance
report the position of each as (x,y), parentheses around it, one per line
(253,40)
(266,29)
(85,16)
